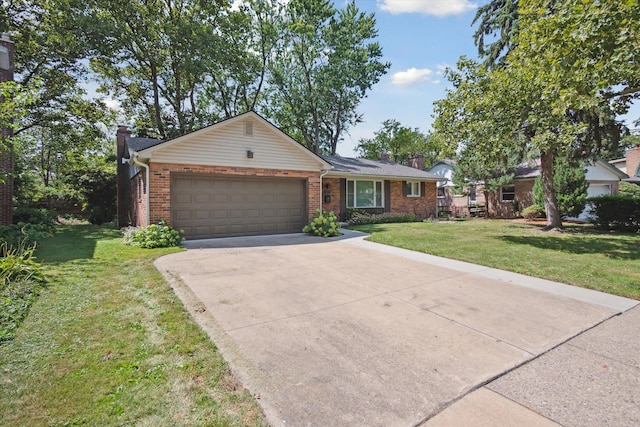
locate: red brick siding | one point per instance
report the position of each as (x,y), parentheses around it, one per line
(633,160)
(422,207)
(523,199)
(333,189)
(160,185)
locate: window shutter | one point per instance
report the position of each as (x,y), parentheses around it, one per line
(423,187)
(387,196)
(343,198)
(405,188)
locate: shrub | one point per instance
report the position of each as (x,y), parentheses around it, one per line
(533,212)
(154,236)
(30,225)
(383,218)
(351,212)
(323,224)
(629,189)
(615,212)
(20,282)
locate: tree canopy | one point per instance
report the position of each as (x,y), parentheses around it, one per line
(401,143)
(572,68)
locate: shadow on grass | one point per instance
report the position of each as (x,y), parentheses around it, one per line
(580,243)
(73,242)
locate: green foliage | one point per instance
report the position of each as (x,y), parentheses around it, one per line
(498,19)
(154,236)
(533,212)
(97,189)
(629,189)
(31,225)
(327,59)
(21,278)
(401,143)
(383,218)
(615,212)
(324,224)
(570,183)
(351,212)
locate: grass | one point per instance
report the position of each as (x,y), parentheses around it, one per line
(109,343)
(580,255)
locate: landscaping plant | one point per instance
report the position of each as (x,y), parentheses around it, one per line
(158,235)
(323,224)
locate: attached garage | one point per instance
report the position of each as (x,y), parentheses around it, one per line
(206,206)
(240,177)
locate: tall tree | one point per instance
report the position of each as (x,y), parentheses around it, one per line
(573,68)
(154,57)
(326,62)
(497,19)
(401,143)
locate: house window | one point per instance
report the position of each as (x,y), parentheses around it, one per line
(412,188)
(364,194)
(473,196)
(508,193)
(440,193)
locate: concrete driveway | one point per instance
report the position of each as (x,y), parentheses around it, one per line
(344,332)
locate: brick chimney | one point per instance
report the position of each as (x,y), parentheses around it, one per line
(417,161)
(6,155)
(123,180)
(633,160)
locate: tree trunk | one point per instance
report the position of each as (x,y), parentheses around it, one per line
(554,221)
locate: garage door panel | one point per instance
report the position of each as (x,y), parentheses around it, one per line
(218,206)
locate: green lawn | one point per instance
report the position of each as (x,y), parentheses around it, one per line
(109,343)
(580,255)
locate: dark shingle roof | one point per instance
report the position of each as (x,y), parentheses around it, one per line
(138,143)
(368,167)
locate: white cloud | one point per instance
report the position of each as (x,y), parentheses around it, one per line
(438,8)
(113,104)
(435,82)
(411,76)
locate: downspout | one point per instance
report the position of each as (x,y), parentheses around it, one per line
(323,172)
(137,162)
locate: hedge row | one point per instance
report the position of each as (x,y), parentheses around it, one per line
(615,212)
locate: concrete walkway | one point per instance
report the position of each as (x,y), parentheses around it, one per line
(348,332)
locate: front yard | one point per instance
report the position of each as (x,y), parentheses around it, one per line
(109,343)
(581,255)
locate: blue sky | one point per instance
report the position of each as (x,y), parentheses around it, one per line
(419,38)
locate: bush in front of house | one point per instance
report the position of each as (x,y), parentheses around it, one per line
(158,235)
(30,225)
(324,224)
(21,280)
(532,212)
(383,218)
(615,212)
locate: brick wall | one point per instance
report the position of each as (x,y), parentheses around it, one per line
(523,199)
(422,207)
(160,185)
(633,160)
(333,190)
(6,156)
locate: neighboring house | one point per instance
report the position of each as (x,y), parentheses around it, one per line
(510,200)
(630,164)
(452,201)
(244,176)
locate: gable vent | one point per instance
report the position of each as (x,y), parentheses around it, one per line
(248,129)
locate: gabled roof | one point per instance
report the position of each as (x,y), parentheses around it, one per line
(146,147)
(347,166)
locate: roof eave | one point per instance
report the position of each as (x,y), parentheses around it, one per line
(343,174)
